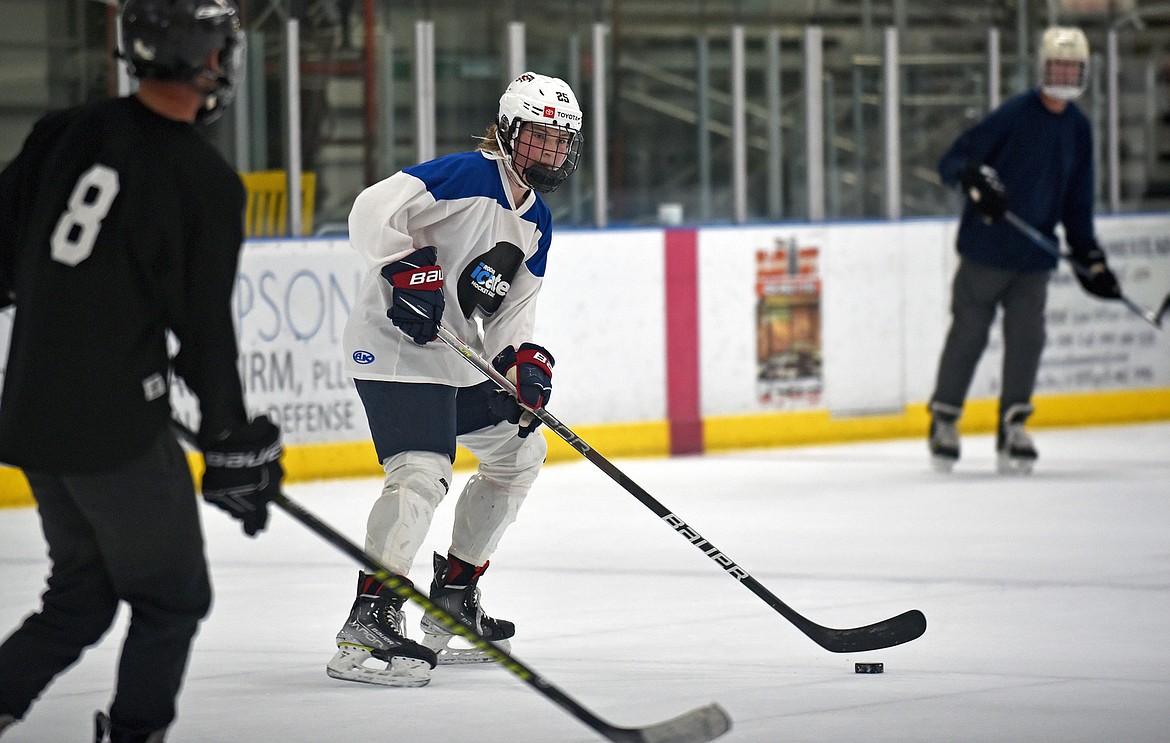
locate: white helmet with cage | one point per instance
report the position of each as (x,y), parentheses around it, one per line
(1064,44)
(547,102)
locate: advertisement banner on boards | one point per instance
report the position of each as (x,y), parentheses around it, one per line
(788,326)
(290,304)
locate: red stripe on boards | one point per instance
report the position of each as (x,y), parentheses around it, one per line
(681,257)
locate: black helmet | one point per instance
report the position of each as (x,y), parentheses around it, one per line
(171,40)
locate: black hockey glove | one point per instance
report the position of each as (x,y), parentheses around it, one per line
(418,294)
(244,473)
(530,371)
(982,184)
(1099,280)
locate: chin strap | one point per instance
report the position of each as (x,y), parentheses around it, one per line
(514,176)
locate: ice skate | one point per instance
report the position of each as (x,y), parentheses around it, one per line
(372,647)
(105,731)
(944,438)
(1015,454)
(455,591)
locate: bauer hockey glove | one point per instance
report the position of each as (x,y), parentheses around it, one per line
(244,473)
(1097,279)
(418,302)
(530,371)
(982,185)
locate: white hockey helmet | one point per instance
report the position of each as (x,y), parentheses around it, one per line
(548,101)
(1063,44)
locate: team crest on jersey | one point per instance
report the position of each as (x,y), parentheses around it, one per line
(363,357)
(486,280)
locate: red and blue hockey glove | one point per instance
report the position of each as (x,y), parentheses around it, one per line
(418,303)
(529,369)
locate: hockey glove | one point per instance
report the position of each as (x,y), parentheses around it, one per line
(418,302)
(244,473)
(1097,279)
(982,184)
(530,371)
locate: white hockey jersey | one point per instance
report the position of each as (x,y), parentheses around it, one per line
(492,252)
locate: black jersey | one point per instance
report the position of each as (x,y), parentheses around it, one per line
(116,224)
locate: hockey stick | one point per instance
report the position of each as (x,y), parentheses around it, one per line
(1153,318)
(894,631)
(701,724)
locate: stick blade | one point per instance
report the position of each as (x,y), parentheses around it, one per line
(885,634)
(697,726)
(1161,311)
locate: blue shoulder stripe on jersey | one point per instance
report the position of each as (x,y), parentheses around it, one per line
(540,215)
(466,175)
(463,175)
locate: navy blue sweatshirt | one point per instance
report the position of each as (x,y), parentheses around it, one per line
(1046,163)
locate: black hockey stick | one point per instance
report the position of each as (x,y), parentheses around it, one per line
(1153,318)
(894,631)
(702,724)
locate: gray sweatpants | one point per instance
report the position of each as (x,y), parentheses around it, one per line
(976,293)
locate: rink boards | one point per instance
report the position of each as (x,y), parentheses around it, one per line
(687,340)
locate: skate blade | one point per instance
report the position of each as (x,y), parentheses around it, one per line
(942,464)
(449,656)
(349,664)
(1008,466)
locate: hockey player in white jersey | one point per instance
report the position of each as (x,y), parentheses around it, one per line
(462,239)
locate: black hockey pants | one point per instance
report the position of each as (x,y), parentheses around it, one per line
(129,534)
(976,293)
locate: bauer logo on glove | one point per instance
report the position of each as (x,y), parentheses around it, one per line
(430,278)
(243,472)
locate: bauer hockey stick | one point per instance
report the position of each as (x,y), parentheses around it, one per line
(700,725)
(894,631)
(1033,234)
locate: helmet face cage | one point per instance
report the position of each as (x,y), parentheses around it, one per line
(231,70)
(171,40)
(1069,45)
(549,108)
(563,144)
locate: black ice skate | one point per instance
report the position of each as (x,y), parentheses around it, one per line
(105,731)
(374,633)
(1015,454)
(944,436)
(455,591)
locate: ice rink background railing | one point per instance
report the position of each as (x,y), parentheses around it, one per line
(700,112)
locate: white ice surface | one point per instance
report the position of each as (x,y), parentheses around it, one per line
(1047,599)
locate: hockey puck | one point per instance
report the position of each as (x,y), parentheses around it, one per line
(869,667)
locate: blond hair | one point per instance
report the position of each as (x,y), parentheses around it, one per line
(489,141)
